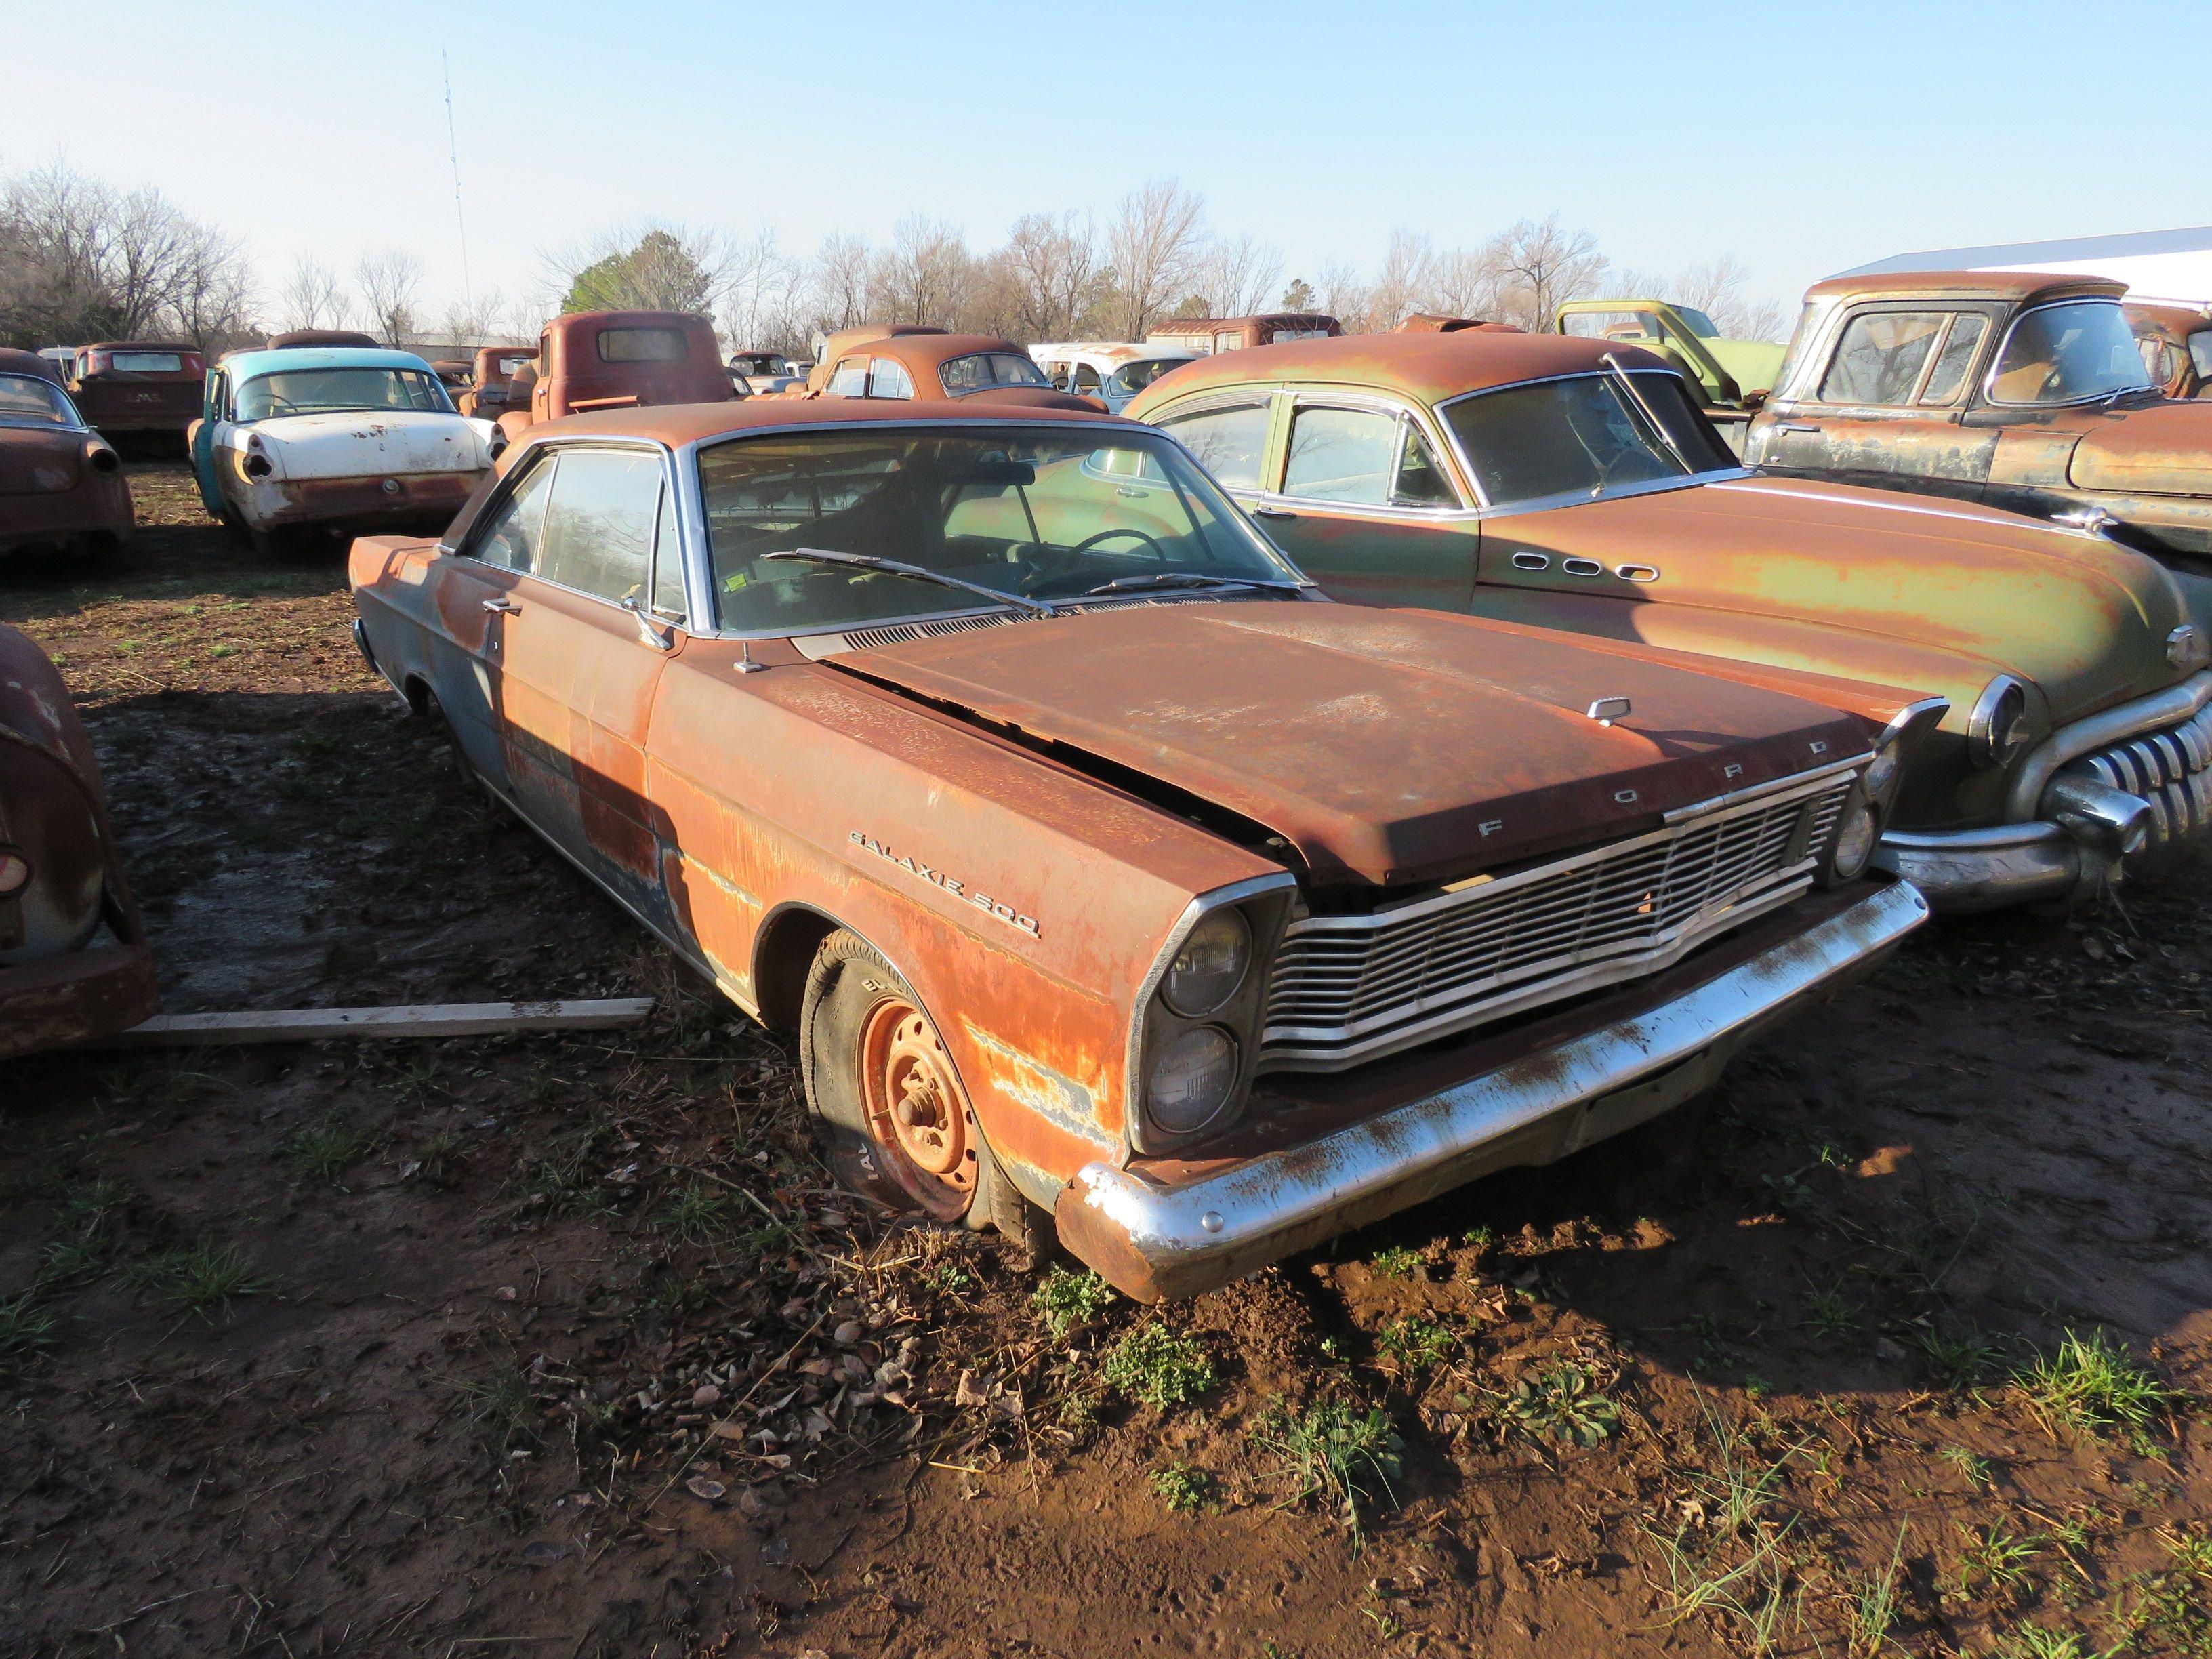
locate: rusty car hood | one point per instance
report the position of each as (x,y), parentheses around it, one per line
(1907,589)
(1384,746)
(38,461)
(2165,449)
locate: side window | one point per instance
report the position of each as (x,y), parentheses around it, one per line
(598,524)
(1879,357)
(218,392)
(850,378)
(1342,455)
(1421,481)
(510,537)
(1058,375)
(1228,442)
(887,378)
(1949,377)
(1086,378)
(668,561)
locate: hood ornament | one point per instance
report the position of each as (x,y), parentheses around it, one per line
(1605,710)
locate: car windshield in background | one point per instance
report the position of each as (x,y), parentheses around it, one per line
(1135,377)
(26,400)
(147,362)
(1581,436)
(324,390)
(642,345)
(981,370)
(2064,353)
(1050,516)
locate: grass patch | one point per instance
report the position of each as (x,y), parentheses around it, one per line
(25,1328)
(2093,1382)
(694,1214)
(1396,1262)
(1161,1368)
(1997,1562)
(1874,1603)
(1184,1489)
(1561,1402)
(327,1148)
(1831,1315)
(1414,1344)
(497,1407)
(1958,1359)
(1335,1452)
(563,1176)
(1067,1300)
(197,1281)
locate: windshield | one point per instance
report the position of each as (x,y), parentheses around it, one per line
(1135,377)
(984,369)
(322,390)
(1582,435)
(147,362)
(26,400)
(1047,514)
(2064,353)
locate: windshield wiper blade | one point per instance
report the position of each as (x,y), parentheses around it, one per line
(1189,578)
(920,573)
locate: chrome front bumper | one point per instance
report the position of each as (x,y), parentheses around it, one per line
(1154,1241)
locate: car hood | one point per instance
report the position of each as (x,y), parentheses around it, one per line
(1382,746)
(37,462)
(2162,450)
(1908,590)
(359,442)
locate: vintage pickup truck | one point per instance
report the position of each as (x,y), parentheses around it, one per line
(589,360)
(2019,390)
(1730,379)
(492,373)
(138,385)
(1575,483)
(2175,340)
(1102,870)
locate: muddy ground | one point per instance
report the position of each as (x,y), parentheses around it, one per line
(1898,1343)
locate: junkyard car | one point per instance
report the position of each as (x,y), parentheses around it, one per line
(832,348)
(61,483)
(1111,371)
(933,367)
(1099,867)
(1729,377)
(1202,337)
(138,385)
(2021,391)
(597,360)
(2175,343)
(333,438)
(74,961)
(490,376)
(1574,483)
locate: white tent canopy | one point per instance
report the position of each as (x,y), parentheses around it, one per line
(2156,265)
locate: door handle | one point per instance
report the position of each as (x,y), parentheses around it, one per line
(1796,426)
(503,606)
(1272,513)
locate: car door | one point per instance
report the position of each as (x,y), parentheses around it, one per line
(580,658)
(1888,402)
(204,445)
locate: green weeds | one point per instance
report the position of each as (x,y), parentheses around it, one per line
(1185,1490)
(1336,1452)
(693,1213)
(1067,1300)
(197,1281)
(327,1148)
(1561,1402)
(1158,1367)
(1414,1344)
(2092,1383)
(1396,1262)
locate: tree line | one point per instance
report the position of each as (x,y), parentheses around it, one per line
(81,260)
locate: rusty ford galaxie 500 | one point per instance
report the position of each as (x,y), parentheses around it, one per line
(1103,870)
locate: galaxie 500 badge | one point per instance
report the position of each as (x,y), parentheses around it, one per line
(952,884)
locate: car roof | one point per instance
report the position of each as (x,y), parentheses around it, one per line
(930,350)
(29,364)
(243,364)
(2022,286)
(141,345)
(1111,351)
(682,424)
(1429,367)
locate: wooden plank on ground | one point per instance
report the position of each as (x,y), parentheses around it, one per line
(423,1020)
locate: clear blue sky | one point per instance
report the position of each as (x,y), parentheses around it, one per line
(1804,139)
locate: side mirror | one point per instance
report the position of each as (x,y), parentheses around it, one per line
(661,636)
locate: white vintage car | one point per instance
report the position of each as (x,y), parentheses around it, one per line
(339,438)
(1110,370)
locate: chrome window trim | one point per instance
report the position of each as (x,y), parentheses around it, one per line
(1989,375)
(68,403)
(1136,1137)
(693,449)
(1411,416)
(554,446)
(1569,497)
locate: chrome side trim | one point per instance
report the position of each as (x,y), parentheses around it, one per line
(2024,797)
(1158,1242)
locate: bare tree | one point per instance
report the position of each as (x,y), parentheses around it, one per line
(1337,290)
(838,280)
(1236,274)
(1544,266)
(760,299)
(472,320)
(1401,286)
(311,297)
(389,283)
(1465,282)
(1716,286)
(923,276)
(1152,244)
(1051,263)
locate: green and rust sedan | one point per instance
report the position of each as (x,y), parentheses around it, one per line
(1574,484)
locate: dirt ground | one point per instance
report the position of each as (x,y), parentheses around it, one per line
(1898,1343)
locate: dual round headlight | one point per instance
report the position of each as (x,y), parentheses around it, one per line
(1857,829)
(1191,1072)
(1210,965)
(1192,1076)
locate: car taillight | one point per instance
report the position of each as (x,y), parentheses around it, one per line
(15,871)
(97,362)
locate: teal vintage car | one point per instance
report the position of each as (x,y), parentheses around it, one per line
(337,439)
(1575,483)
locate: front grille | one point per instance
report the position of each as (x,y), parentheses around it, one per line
(1347,989)
(2171,769)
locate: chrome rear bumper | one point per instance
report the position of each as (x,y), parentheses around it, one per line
(1154,1241)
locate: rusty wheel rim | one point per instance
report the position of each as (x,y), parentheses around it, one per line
(917,1114)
